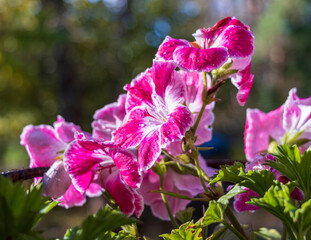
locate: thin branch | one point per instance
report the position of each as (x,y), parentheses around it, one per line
(25,174)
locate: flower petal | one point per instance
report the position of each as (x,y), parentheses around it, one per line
(259,128)
(297,114)
(240,204)
(194,59)
(42,145)
(121,193)
(179,121)
(71,198)
(137,126)
(238,40)
(81,159)
(167,87)
(140,91)
(169,45)
(109,118)
(243,80)
(94,190)
(149,150)
(66,130)
(127,165)
(56,180)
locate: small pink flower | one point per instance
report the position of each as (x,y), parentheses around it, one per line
(45,145)
(114,168)
(291,118)
(228,40)
(156,115)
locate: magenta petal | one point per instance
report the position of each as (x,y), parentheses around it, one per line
(41,144)
(240,204)
(127,165)
(179,121)
(238,40)
(94,190)
(149,150)
(168,47)
(297,114)
(121,193)
(71,198)
(56,180)
(195,59)
(243,80)
(259,128)
(138,125)
(166,86)
(81,158)
(65,130)
(139,204)
(140,91)
(109,118)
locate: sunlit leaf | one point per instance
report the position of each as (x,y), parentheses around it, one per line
(187,231)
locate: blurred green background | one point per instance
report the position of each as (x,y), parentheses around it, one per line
(71,57)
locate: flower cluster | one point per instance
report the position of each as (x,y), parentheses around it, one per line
(166,113)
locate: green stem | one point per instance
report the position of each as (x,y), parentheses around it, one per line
(166,203)
(200,174)
(234,221)
(232,229)
(204,103)
(284,234)
(218,234)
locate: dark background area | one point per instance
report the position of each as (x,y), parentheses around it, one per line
(71,57)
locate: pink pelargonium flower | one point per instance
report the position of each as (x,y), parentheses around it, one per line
(187,185)
(114,168)
(45,145)
(156,115)
(108,119)
(194,88)
(293,118)
(228,40)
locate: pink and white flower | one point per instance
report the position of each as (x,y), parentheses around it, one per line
(45,145)
(228,40)
(292,119)
(114,168)
(156,115)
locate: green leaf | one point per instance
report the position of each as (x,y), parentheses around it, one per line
(258,181)
(187,231)
(233,192)
(185,215)
(294,166)
(99,225)
(20,211)
(72,234)
(303,216)
(268,234)
(213,214)
(229,173)
(278,202)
